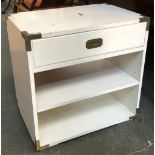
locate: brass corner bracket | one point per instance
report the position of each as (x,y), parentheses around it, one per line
(38,147)
(28,37)
(145,19)
(133,117)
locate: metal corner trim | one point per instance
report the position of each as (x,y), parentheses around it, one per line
(145,19)
(7,17)
(37,144)
(133,117)
(38,147)
(28,37)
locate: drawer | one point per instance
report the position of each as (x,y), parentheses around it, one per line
(87,44)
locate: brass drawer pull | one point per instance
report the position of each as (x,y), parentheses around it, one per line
(94,43)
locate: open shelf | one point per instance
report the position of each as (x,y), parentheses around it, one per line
(73,120)
(104,79)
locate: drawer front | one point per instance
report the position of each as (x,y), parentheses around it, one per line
(75,46)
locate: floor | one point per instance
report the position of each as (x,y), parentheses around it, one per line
(130,138)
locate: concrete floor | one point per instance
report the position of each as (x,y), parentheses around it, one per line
(130,138)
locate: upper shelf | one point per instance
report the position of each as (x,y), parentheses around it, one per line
(109,79)
(54,22)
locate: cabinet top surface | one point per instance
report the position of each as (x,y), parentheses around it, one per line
(53,22)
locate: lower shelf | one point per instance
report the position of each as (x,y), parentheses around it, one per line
(68,122)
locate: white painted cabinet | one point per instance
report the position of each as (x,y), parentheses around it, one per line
(77,69)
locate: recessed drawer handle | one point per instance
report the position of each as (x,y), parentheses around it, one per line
(94,43)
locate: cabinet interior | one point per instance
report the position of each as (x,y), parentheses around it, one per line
(83,117)
(130,63)
(67,85)
(76,100)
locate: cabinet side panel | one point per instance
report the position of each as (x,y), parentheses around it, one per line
(133,64)
(142,67)
(130,63)
(24,79)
